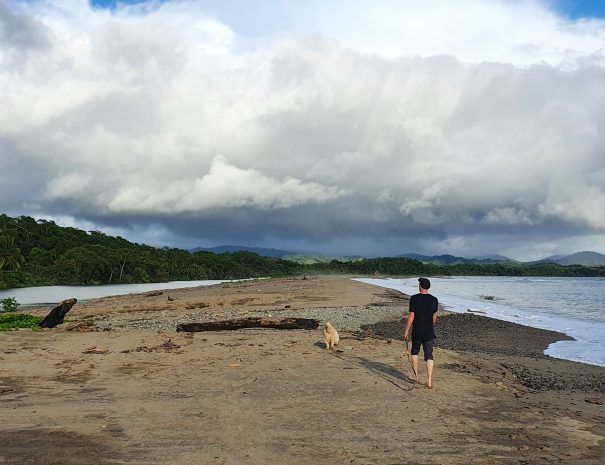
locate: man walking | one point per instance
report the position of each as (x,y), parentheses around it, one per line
(422,319)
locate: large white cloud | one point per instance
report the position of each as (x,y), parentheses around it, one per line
(180,110)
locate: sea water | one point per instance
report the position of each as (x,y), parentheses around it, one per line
(574,306)
(47,295)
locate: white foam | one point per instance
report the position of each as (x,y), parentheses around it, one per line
(588,346)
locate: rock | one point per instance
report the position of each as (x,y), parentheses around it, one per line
(154,294)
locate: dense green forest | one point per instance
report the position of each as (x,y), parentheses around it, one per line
(37,253)
(410,267)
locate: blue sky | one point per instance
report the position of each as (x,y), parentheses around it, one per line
(582,8)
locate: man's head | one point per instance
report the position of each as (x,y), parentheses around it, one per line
(424,283)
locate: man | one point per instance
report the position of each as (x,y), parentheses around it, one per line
(422,319)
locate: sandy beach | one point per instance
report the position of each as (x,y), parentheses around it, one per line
(116,384)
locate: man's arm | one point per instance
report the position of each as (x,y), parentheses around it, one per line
(435,314)
(408,326)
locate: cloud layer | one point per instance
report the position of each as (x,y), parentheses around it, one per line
(320,130)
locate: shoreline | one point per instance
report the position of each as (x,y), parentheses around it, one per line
(117,384)
(556,336)
(581,334)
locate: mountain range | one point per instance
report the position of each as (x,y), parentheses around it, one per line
(298,257)
(275,253)
(586,258)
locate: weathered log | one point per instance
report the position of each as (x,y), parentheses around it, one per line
(229,325)
(57,314)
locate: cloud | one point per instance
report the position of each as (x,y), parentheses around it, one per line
(21,32)
(225,186)
(180,115)
(521,32)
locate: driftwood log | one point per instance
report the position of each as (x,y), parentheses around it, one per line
(227,325)
(57,314)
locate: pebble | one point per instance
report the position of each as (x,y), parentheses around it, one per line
(343,318)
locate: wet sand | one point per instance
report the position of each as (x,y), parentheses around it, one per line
(121,394)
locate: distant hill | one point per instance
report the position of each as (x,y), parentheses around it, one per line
(310,259)
(493,257)
(552,258)
(583,258)
(275,253)
(307,258)
(453,260)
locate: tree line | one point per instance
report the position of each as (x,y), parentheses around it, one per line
(39,252)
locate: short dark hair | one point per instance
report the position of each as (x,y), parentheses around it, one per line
(424,283)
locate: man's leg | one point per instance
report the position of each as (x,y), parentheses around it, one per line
(415,351)
(415,367)
(427,348)
(429,373)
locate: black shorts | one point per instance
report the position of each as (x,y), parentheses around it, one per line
(427,347)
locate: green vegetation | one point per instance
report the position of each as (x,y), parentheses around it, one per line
(9,304)
(37,253)
(487,297)
(14,321)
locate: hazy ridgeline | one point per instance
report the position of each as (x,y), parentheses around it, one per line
(36,253)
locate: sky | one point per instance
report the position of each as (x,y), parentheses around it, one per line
(467,127)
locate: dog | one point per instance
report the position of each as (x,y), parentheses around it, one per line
(331,336)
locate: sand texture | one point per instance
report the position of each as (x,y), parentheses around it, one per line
(123,387)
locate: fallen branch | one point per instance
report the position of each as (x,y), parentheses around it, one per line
(57,314)
(229,325)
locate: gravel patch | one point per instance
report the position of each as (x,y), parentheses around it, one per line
(343,318)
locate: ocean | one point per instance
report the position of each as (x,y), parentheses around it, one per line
(574,306)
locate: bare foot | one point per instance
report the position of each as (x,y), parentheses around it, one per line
(429,386)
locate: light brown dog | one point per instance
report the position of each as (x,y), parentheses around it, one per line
(331,336)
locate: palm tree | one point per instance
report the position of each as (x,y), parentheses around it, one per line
(10,255)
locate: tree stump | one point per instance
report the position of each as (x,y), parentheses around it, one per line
(230,325)
(57,314)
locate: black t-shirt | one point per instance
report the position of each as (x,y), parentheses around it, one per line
(423,306)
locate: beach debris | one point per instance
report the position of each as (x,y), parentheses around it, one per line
(57,314)
(170,299)
(243,301)
(154,294)
(193,306)
(166,346)
(82,327)
(95,350)
(252,322)
(233,365)
(594,400)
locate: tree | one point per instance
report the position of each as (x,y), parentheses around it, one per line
(10,255)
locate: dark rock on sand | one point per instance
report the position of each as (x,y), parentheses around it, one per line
(475,333)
